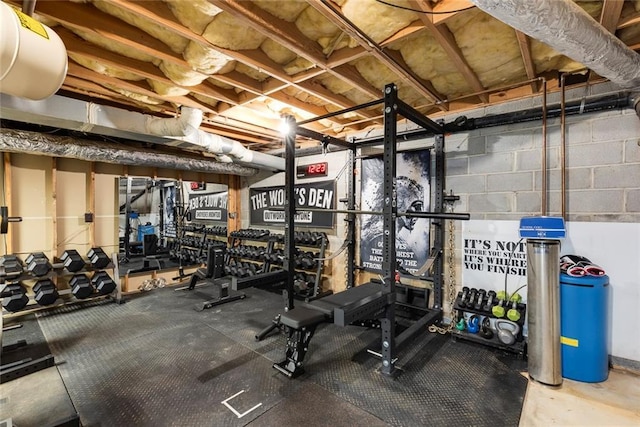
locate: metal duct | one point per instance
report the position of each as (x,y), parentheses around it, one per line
(570,30)
(181,131)
(15,141)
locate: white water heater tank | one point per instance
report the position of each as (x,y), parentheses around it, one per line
(33,59)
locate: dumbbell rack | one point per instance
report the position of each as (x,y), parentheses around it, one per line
(57,271)
(313,289)
(519,347)
(253,254)
(26,366)
(194,239)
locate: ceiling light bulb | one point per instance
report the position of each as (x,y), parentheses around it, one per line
(285,129)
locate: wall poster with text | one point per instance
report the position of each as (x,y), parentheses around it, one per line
(266,205)
(413,195)
(208,206)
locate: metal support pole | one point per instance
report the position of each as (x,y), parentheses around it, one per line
(389,208)
(438,207)
(127,223)
(289,210)
(351,219)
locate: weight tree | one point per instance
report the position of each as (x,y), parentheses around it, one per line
(392,108)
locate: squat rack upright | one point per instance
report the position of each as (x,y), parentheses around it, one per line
(392,107)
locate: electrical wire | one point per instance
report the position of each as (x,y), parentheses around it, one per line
(506,274)
(423,11)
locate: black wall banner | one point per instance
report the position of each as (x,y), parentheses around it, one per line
(168,210)
(317,195)
(208,206)
(413,194)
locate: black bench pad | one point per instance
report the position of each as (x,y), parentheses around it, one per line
(300,317)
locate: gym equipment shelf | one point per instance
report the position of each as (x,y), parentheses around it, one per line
(519,347)
(309,265)
(44,293)
(193,241)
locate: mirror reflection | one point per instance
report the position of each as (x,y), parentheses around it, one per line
(164,224)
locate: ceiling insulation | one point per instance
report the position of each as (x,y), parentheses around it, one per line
(247,63)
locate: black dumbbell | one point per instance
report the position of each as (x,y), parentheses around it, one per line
(471,298)
(14,297)
(103,283)
(38,264)
(462,297)
(481,295)
(98,258)
(491,295)
(45,292)
(72,260)
(10,265)
(307,261)
(81,287)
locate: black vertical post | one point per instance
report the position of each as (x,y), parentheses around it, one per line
(289,209)
(389,208)
(351,219)
(438,241)
(127,226)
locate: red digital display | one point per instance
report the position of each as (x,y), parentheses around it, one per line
(314,169)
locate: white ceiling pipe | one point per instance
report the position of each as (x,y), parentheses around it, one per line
(186,123)
(33,59)
(217,144)
(570,30)
(181,131)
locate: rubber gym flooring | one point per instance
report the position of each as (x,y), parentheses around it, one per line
(155,361)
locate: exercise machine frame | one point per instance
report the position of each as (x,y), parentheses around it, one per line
(373,302)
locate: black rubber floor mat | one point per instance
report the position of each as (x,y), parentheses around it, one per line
(156,361)
(444,383)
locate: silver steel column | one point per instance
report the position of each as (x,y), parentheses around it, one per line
(543,283)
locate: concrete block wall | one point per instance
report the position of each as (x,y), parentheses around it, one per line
(497,171)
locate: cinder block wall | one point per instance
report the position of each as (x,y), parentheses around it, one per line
(497,171)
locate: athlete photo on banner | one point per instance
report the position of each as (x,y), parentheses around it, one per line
(168,210)
(413,195)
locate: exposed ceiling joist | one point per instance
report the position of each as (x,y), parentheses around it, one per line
(447,41)
(331,12)
(527,59)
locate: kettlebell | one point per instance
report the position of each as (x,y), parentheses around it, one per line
(460,325)
(507,331)
(485,329)
(473,326)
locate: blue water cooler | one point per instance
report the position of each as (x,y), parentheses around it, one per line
(145,229)
(584,327)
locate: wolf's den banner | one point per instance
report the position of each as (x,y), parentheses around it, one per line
(266,203)
(208,206)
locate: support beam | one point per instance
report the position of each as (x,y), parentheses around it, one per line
(527,58)
(447,41)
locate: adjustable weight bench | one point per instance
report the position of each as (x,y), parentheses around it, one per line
(364,302)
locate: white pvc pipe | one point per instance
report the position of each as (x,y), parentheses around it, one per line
(84,116)
(570,30)
(185,124)
(33,59)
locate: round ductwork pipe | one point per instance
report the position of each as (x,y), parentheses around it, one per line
(33,59)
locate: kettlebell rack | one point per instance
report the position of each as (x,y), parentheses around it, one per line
(479,303)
